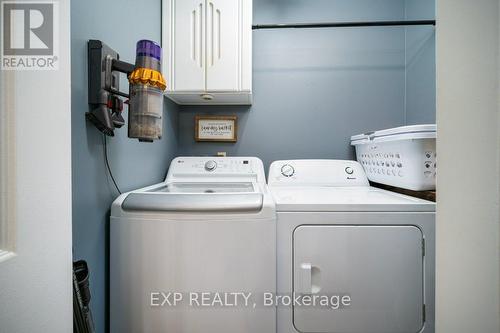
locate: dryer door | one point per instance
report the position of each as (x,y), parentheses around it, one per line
(379,267)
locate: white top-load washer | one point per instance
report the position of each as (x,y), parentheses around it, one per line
(336,237)
(203,235)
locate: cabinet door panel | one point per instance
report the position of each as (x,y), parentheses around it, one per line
(223,47)
(189,45)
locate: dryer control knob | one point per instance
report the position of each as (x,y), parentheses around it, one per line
(210,165)
(349,170)
(287,170)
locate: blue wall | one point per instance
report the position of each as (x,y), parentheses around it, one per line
(134,164)
(314,88)
(420,64)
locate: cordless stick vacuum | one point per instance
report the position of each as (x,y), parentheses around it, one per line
(145,97)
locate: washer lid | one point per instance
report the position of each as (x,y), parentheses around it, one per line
(206,187)
(331,199)
(197,197)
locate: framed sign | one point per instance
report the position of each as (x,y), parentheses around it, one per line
(215,128)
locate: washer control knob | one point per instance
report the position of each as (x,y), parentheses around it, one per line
(349,170)
(287,170)
(210,165)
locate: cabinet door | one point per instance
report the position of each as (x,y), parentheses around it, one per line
(379,267)
(188,45)
(224,26)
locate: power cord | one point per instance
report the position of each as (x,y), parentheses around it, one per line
(107,163)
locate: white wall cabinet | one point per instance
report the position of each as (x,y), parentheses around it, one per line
(207,51)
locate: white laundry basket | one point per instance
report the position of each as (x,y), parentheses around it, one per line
(402,156)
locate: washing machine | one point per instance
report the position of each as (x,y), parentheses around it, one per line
(206,233)
(339,238)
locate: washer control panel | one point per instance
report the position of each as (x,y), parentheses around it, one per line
(210,165)
(317,172)
(207,167)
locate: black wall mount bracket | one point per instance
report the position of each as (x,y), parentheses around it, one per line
(105,104)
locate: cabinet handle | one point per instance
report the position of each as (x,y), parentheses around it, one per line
(193,35)
(214,29)
(196,34)
(218,34)
(200,31)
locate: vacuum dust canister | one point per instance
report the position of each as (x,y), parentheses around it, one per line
(146,93)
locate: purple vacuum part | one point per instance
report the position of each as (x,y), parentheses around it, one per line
(148,48)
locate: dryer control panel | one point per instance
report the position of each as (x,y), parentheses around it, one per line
(339,173)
